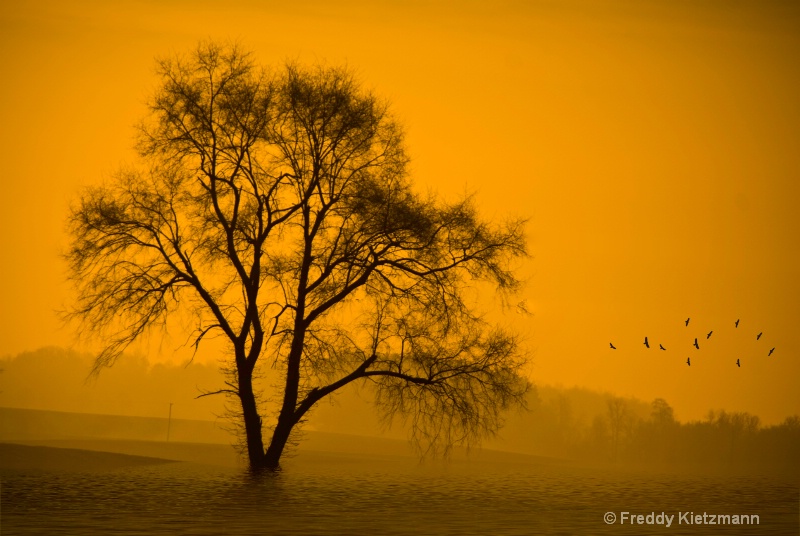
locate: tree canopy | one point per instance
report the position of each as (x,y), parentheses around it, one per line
(275,207)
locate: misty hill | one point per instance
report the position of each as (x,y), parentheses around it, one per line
(19,425)
(58,379)
(198,441)
(559,422)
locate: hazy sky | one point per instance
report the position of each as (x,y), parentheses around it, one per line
(654,146)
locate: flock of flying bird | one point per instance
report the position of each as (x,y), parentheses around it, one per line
(697,345)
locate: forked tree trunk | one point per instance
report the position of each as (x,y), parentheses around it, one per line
(258,458)
(270,459)
(288,417)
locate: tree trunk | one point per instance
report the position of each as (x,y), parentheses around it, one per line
(287,418)
(252,421)
(276,446)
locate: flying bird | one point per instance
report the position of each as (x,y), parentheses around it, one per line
(737,322)
(759,335)
(689,361)
(770,352)
(737,363)
(687,320)
(612,346)
(709,334)
(646,343)
(661,347)
(695,343)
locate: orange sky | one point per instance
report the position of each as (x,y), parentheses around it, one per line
(653,145)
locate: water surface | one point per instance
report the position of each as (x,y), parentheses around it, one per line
(391,495)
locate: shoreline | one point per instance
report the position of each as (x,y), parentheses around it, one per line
(16,457)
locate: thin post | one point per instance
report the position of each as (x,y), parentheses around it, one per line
(169,421)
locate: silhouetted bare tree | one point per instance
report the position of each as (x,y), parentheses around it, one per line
(619,421)
(275,207)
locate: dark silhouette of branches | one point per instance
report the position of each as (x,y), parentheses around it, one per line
(275,207)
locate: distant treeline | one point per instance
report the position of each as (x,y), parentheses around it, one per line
(584,425)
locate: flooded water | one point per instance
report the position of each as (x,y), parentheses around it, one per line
(341,496)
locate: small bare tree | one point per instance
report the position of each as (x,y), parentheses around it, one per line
(276,209)
(619,423)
